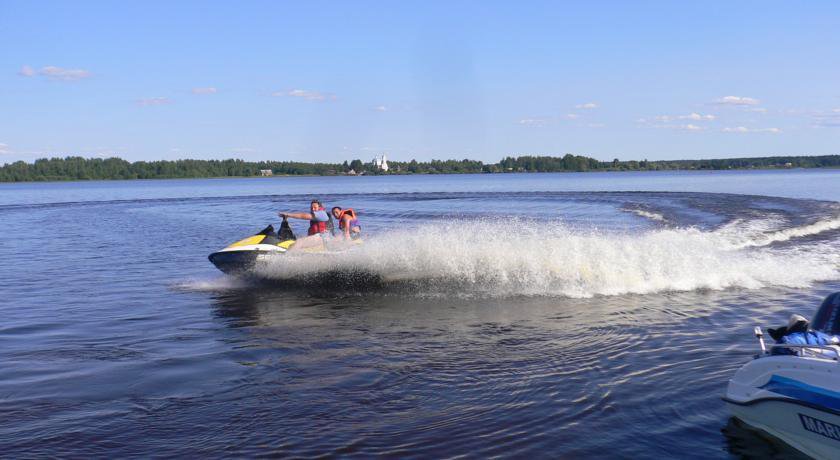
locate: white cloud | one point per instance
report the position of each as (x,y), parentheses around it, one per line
(587,105)
(744,129)
(381,108)
(534,122)
(737,101)
(697,117)
(154,101)
(4,149)
(679,127)
(206,90)
(739,129)
(692,116)
(826,118)
(539,122)
(26,71)
(59,73)
(673,121)
(54,73)
(690,127)
(306,94)
(820,118)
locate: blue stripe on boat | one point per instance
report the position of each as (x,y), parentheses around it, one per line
(803,391)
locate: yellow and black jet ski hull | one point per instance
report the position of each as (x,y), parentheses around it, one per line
(242,256)
(237,262)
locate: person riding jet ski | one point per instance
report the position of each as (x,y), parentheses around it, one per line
(320,224)
(797,332)
(348,223)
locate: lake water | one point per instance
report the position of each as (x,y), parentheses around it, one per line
(521,315)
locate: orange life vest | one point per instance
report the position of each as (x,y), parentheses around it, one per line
(316,227)
(347,212)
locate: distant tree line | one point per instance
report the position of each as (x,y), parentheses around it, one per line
(78,168)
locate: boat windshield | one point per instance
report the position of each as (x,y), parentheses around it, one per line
(827,319)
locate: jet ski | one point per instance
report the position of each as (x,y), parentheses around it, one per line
(240,258)
(792,392)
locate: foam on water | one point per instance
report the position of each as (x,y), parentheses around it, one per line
(488,259)
(767,232)
(218,283)
(649,215)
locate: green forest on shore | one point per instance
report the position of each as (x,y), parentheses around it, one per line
(78,168)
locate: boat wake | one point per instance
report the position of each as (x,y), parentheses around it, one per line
(486,259)
(766,232)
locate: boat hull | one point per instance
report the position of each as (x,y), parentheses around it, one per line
(792,398)
(811,431)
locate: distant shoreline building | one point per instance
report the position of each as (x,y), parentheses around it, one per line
(266,172)
(381,163)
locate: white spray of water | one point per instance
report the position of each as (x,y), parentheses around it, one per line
(501,259)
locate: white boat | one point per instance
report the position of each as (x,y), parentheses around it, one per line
(794,397)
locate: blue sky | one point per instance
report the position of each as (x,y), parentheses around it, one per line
(329,81)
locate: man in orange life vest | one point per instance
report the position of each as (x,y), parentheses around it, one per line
(319,224)
(348,223)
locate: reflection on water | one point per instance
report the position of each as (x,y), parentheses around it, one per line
(747,442)
(533,374)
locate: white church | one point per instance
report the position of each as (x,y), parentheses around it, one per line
(381,163)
